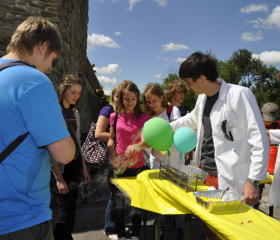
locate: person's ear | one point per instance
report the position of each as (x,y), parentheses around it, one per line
(43,47)
(202,77)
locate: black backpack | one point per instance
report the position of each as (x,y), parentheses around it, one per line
(19,139)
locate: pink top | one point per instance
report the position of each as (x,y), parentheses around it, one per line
(128,133)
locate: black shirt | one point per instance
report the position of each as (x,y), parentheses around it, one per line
(183,110)
(69,113)
(208,150)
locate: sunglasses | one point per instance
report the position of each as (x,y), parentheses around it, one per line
(224,129)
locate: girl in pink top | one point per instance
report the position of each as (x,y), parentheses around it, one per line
(129,142)
(127,156)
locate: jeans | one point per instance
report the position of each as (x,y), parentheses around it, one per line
(67,214)
(109,227)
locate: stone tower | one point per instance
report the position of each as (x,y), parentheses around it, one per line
(71,19)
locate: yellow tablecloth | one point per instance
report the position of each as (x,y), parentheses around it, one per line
(150,192)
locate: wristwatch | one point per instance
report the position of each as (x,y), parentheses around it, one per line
(253,182)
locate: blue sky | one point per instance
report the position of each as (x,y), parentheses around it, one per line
(145,40)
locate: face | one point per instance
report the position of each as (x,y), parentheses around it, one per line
(178,96)
(194,86)
(154,103)
(71,95)
(267,123)
(116,97)
(129,101)
(43,61)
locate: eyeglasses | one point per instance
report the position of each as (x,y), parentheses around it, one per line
(224,129)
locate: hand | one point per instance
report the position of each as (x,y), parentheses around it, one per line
(86,176)
(251,194)
(132,149)
(62,186)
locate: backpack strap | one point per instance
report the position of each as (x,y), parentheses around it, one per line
(14,63)
(115,129)
(12,146)
(169,111)
(9,149)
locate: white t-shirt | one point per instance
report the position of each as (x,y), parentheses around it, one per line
(157,157)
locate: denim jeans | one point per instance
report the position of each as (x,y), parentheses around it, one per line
(109,227)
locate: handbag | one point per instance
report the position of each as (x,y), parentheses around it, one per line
(94,150)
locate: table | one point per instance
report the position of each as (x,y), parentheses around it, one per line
(150,192)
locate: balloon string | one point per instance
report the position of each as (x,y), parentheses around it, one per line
(168,152)
(180,156)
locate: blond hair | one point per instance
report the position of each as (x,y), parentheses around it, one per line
(175,86)
(32,31)
(153,89)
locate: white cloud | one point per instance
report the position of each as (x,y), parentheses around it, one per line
(252,36)
(254,8)
(112,68)
(132,3)
(272,57)
(258,23)
(94,40)
(179,60)
(159,76)
(273,20)
(107,80)
(108,91)
(173,47)
(161,2)
(118,33)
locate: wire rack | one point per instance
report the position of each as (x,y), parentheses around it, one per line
(188,180)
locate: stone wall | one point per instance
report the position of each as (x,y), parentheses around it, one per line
(71,18)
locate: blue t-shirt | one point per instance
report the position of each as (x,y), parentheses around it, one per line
(28,103)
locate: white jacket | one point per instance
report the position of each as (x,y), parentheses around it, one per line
(274,193)
(245,157)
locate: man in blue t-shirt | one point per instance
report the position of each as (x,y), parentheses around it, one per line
(28,103)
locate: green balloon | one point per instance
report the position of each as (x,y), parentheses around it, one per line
(158,134)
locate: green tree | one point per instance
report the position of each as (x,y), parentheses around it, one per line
(242,69)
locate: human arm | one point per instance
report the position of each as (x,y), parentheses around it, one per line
(251,194)
(63,151)
(111,147)
(101,127)
(135,148)
(250,130)
(60,183)
(274,136)
(190,119)
(86,174)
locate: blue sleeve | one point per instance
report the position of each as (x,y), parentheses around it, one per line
(42,115)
